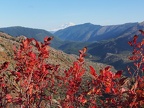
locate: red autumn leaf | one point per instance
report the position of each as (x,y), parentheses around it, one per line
(94,90)
(50,38)
(81,52)
(139,92)
(59,78)
(102,71)
(8,97)
(84,49)
(137,65)
(93,72)
(2,85)
(32,55)
(138,45)
(81,59)
(118,74)
(107,90)
(37,45)
(4,65)
(107,68)
(123,90)
(142,43)
(18,74)
(109,74)
(25,43)
(134,57)
(135,39)
(134,51)
(94,106)
(142,69)
(82,99)
(130,43)
(83,55)
(142,32)
(46,39)
(81,73)
(141,85)
(48,97)
(76,66)
(30,90)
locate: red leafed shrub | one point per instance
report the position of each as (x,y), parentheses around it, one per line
(34,83)
(26,85)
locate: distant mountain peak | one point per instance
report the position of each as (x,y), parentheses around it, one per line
(88,24)
(63,26)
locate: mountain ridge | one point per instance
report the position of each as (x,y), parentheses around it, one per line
(38,34)
(88,32)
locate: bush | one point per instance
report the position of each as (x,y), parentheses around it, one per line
(34,83)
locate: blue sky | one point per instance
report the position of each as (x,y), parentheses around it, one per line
(49,14)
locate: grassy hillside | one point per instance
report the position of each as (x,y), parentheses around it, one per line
(56,56)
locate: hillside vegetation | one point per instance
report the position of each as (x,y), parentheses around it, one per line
(56,56)
(35,82)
